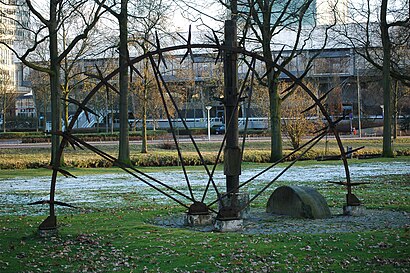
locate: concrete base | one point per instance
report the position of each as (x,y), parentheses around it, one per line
(228,225)
(243,198)
(47,233)
(353,210)
(198,220)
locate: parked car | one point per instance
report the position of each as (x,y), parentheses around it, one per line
(218,129)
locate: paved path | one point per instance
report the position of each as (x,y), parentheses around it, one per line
(17,144)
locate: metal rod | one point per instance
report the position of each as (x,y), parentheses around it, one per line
(225,135)
(281,173)
(210,175)
(274,164)
(124,167)
(252,66)
(157,75)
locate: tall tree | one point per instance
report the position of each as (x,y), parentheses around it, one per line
(296,123)
(41,95)
(152,18)
(45,29)
(379,31)
(143,99)
(265,19)
(121,15)
(72,73)
(7,96)
(386,64)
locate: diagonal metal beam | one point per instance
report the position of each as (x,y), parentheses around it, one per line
(164,103)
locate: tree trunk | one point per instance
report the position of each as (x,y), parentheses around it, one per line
(395,109)
(275,120)
(55,90)
(112,119)
(45,115)
(4,114)
(36,110)
(124,150)
(386,79)
(272,81)
(144,145)
(54,86)
(65,110)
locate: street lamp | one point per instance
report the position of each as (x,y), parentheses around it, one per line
(209,121)
(359,110)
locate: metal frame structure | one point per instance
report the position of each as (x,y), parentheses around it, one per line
(230,141)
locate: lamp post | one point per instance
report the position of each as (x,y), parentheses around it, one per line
(359,109)
(209,122)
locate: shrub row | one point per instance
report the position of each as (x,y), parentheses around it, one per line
(157,159)
(20,135)
(22,164)
(41,137)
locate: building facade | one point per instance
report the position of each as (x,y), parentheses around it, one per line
(14,84)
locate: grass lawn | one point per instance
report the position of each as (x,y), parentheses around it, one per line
(124,238)
(122,241)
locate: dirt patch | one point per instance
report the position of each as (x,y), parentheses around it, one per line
(260,222)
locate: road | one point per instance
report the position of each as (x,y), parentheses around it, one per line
(17,144)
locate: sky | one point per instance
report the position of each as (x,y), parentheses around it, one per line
(210,9)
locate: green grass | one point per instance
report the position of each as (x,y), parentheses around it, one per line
(123,241)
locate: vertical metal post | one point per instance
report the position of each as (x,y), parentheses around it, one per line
(232,152)
(359,110)
(208,108)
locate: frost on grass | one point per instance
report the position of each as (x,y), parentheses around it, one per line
(121,189)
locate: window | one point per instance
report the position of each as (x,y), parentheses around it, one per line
(332,65)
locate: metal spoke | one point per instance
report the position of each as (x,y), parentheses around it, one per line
(157,75)
(320,136)
(189,133)
(252,66)
(225,135)
(126,168)
(281,173)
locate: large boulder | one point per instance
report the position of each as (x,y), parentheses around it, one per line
(300,202)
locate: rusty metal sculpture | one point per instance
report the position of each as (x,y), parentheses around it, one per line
(196,206)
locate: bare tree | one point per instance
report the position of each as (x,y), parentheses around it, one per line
(259,103)
(103,101)
(263,20)
(143,99)
(152,19)
(379,31)
(119,10)
(183,87)
(297,123)
(45,30)
(73,75)
(7,96)
(41,94)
